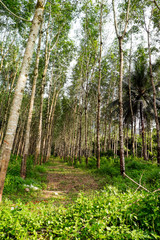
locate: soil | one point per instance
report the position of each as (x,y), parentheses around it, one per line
(66,182)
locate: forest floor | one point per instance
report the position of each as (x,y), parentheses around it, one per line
(68,204)
(64,182)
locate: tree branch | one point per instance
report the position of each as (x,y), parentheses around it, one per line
(127,18)
(125,175)
(115,21)
(23,19)
(156,4)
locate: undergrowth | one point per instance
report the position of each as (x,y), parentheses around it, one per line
(142,172)
(107,214)
(120,211)
(15,185)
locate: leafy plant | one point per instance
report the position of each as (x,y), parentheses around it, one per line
(107,214)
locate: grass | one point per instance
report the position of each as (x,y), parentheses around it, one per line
(117,211)
(15,186)
(107,214)
(109,173)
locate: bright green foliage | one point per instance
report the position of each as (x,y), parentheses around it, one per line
(23,8)
(120,212)
(15,184)
(135,168)
(107,214)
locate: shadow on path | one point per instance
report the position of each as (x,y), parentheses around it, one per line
(66,182)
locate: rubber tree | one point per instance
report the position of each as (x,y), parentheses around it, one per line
(28,127)
(99,86)
(148,31)
(58,27)
(16,104)
(149,22)
(130,99)
(58,79)
(120,36)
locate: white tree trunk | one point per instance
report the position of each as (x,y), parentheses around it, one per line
(15,108)
(27,134)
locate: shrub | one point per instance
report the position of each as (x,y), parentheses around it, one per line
(108,153)
(13,184)
(135,165)
(153,177)
(92,162)
(40,169)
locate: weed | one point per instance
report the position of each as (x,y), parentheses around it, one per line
(107,214)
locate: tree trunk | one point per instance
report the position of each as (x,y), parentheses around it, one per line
(4,123)
(109,135)
(74,134)
(50,126)
(76,138)
(27,135)
(150,137)
(127,142)
(17,136)
(99,91)
(120,40)
(154,100)
(143,132)
(80,135)
(39,138)
(130,101)
(20,142)
(122,162)
(114,141)
(86,131)
(105,134)
(14,113)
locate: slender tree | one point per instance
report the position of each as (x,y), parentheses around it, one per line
(147,28)
(28,127)
(120,37)
(99,85)
(14,113)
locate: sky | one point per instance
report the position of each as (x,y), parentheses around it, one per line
(75,35)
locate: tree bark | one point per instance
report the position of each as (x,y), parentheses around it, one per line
(80,135)
(86,129)
(130,102)
(50,126)
(27,135)
(76,136)
(154,99)
(127,141)
(120,40)
(4,123)
(14,113)
(47,57)
(105,134)
(143,132)
(122,162)
(99,90)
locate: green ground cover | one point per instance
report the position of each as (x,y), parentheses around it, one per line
(118,211)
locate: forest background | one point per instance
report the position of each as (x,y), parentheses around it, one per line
(80,81)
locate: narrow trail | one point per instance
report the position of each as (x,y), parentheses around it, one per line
(64,182)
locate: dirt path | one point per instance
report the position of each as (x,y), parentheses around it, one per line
(66,182)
